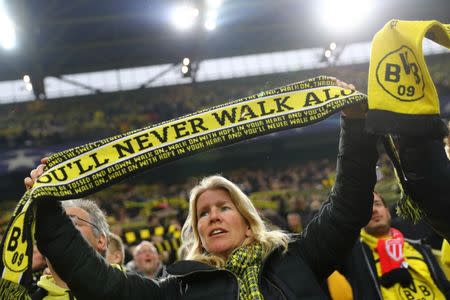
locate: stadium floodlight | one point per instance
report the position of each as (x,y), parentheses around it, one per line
(332,46)
(29,87)
(26,78)
(186,68)
(327,53)
(210,24)
(184,16)
(344,16)
(7,31)
(211,17)
(214,3)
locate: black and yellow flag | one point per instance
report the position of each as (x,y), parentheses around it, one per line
(402,96)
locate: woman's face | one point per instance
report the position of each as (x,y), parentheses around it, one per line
(220,225)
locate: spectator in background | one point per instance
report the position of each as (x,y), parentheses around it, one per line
(116,251)
(314,206)
(146,261)
(294,222)
(300,207)
(385,265)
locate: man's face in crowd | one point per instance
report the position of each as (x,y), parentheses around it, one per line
(380,223)
(82,220)
(146,258)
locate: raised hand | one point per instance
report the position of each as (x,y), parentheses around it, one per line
(35,173)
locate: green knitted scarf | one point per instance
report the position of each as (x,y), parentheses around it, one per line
(245,263)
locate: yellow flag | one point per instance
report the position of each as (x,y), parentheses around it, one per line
(402,96)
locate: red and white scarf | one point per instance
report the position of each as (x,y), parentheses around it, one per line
(391,252)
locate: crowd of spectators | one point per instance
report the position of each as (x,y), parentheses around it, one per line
(58,121)
(287,198)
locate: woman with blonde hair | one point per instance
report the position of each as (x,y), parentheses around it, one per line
(258,232)
(229,252)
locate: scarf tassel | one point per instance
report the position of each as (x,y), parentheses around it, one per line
(399,275)
(12,291)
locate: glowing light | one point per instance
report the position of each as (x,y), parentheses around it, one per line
(26,79)
(186,61)
(184,69)
(183,17)
(29,87)
(328,53)
(345,16)
(332,46)
(210,25)
(7,32)
(214,3)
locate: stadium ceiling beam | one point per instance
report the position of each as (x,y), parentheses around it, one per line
(165,71)
(79,84)
(94,19)
(103,44)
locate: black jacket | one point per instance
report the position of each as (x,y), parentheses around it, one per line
(427,170)
(360,270)
(292,275)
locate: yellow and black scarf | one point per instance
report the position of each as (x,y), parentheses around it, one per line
(245,263)
(81,171)
(402,96)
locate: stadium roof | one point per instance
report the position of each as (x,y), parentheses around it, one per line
(57,37)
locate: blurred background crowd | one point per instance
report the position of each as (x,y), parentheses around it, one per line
(288,175)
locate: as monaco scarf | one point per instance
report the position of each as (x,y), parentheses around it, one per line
(81,171)
(394,268)
(391,251)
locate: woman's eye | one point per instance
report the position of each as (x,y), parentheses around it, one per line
(225,208)
(203,214)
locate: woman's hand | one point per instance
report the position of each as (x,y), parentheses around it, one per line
(35,173)
(355,111)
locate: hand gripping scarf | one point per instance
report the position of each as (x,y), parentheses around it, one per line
(402,97)
(81,171)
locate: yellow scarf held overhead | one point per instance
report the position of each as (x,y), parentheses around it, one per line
(402,96)
(83,170)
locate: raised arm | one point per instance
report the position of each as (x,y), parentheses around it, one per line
(86,273)
(427,169)
(332,233)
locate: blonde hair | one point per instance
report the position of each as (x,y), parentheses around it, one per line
(192,248)
(116,245)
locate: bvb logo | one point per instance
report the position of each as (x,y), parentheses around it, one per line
(399,74)
(417,290)
(14,254)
